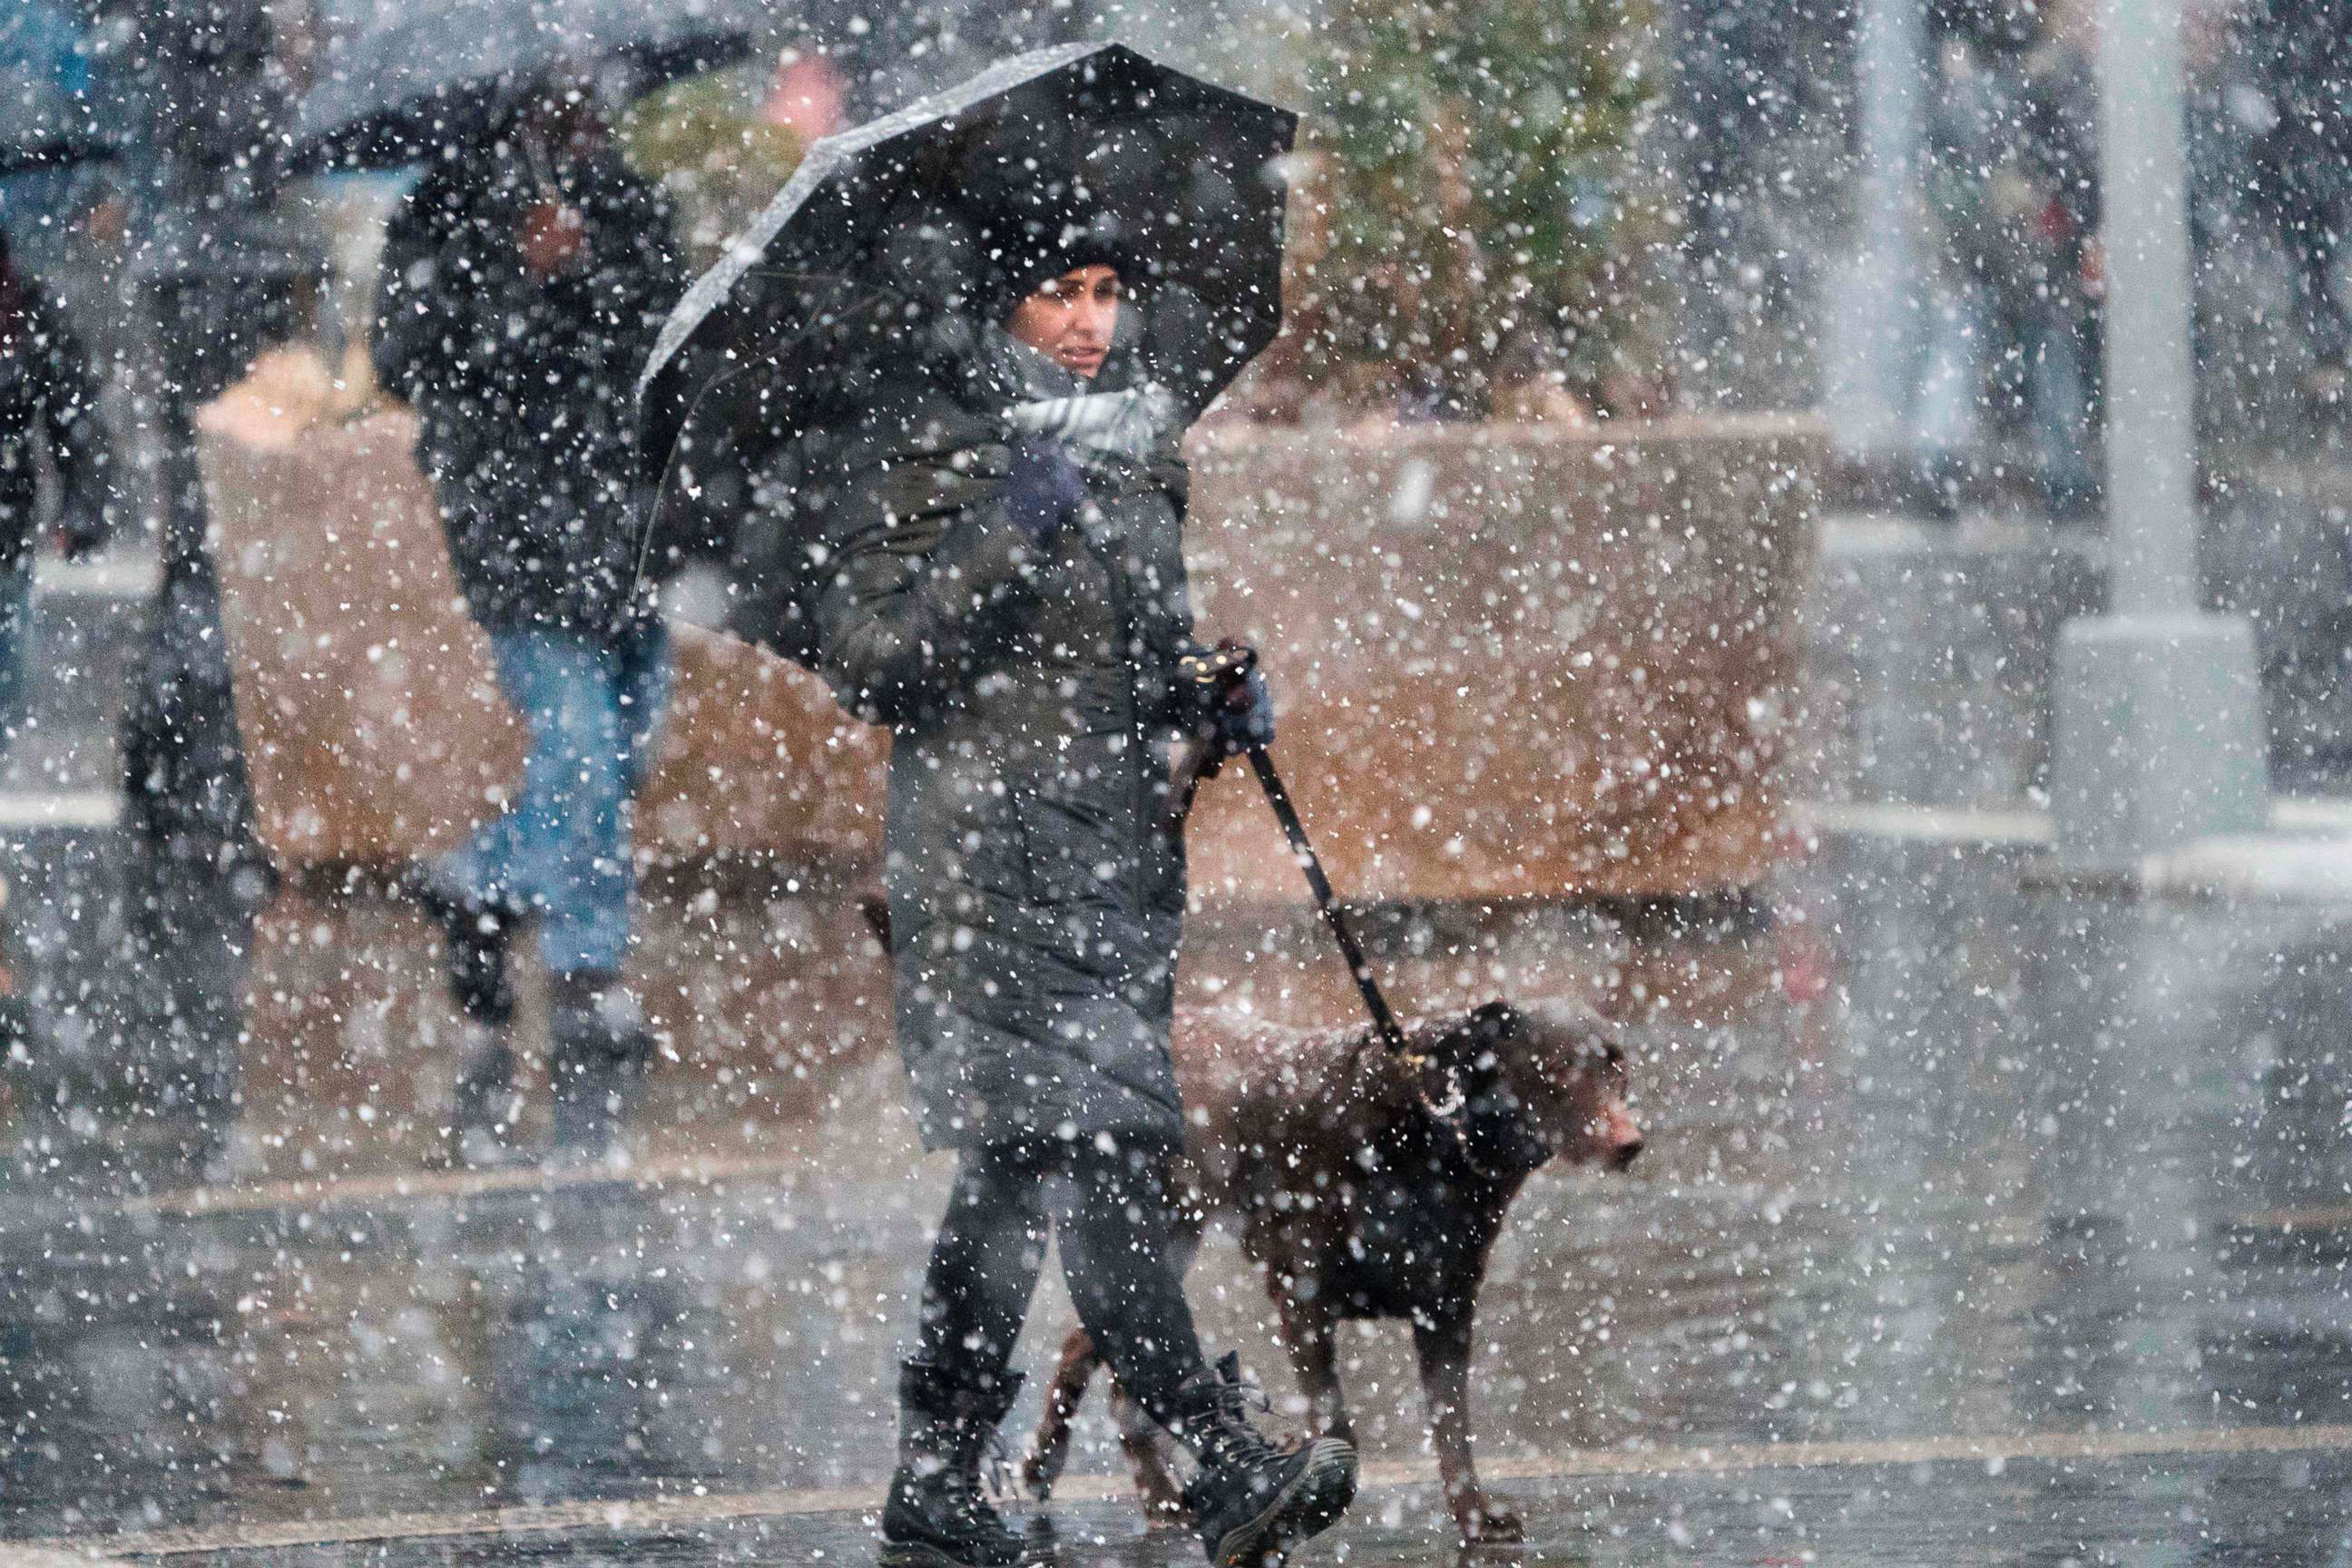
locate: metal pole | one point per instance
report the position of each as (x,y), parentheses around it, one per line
(1890,85)
(2158,729)
(2151,411)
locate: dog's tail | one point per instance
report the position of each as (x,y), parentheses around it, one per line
(1049,1448)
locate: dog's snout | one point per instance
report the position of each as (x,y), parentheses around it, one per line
(1621,1136)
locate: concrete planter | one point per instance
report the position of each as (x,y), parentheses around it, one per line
(1511,661)
(373,720)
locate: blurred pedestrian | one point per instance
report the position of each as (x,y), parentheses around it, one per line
(1006,513)
(2301,52)
(48,405)
(2012,190)
(1945,345)
(523,283)
(2046,199)
(48,412)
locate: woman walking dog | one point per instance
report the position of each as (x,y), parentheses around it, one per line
(969,518)
(1016,611)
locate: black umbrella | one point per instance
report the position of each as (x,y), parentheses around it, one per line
(410,75)
(1190,174)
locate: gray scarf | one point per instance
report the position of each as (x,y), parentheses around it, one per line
(1097,428)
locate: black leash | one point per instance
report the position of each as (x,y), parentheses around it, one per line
(1302,851)
(1383,1021)
(1222,667)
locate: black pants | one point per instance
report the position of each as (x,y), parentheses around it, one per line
(1125,1271)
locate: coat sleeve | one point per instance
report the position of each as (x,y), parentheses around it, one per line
(921,601)
(1167,606)
(432,317)
(634,270)
(407,331)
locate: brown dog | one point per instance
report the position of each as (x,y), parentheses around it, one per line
(1356,1200)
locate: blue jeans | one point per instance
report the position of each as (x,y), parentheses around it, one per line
(562,850)
(2058,398)
(1949,372)
(16,646)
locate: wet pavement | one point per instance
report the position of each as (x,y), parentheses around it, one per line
(1982,1221)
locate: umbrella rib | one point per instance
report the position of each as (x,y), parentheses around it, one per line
(727,378)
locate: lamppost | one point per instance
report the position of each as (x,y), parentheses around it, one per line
(2158,737)
(1873,332)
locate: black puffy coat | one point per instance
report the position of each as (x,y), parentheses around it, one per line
(1037,899)
(47,399)
(523,383)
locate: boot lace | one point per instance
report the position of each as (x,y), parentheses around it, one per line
(1232,1436)
(996,1474)
(981,1475)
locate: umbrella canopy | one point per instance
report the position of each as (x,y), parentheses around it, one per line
(26,157)
(1188,175)
(409,75)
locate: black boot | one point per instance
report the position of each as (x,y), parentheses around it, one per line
(483,1111)
(937,1514)
(1250,1501)
(476,931)
(601,1048)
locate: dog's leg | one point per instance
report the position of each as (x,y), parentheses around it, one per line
(1445,1344)
(1049,1448)
(1310,1334)
(1149,1452)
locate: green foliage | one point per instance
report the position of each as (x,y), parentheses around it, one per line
(1473,222)
(704,140)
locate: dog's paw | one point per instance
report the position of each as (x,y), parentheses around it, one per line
(1487,1522)
(1166,1513)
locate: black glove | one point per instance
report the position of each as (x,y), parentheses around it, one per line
(1237,707)
(1245,718)
(1044,489)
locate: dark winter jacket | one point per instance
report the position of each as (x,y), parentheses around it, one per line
(47,400)
(2304,48)
(523,383)
(1036,899)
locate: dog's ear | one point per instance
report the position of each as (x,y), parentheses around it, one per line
(1601,1051)
(1493,1019)
(1484,1033)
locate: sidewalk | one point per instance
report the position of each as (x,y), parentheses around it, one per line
(1980,1224)
(1939,1502)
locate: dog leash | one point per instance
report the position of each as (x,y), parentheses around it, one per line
(1221,666)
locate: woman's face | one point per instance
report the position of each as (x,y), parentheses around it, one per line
(1071,319)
